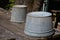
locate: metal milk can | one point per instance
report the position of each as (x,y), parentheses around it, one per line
(18,13)
(39,24)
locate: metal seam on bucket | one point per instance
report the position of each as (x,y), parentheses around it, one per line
(42,33)
(39,35)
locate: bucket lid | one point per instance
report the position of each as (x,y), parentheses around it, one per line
(20,6)
(39,14)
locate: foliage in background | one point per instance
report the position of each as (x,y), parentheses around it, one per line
(11,3)
(6,4)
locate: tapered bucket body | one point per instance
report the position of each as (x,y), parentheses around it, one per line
(39,24)
(18,13)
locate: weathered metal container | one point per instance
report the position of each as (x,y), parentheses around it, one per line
(39,24)
(18,13)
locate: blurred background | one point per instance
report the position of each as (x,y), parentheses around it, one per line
(6,4)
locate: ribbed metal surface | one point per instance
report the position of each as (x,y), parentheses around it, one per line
(39,27)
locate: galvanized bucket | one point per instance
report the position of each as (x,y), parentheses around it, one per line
(39,24)
(18,13)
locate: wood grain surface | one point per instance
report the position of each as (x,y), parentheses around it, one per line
(13,30)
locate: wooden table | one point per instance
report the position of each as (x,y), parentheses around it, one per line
(15,30)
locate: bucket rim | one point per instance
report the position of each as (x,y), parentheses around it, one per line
(40,14)
(21,6)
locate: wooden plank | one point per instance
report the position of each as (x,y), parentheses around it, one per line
(6,34)
(13,28)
